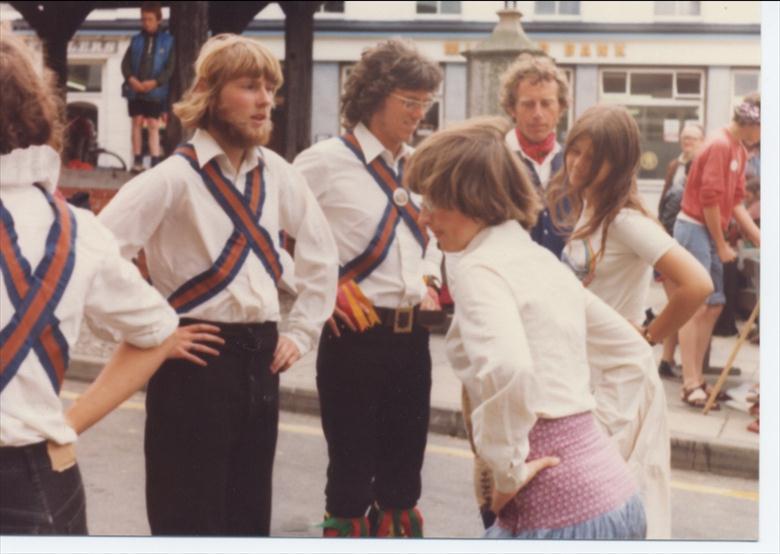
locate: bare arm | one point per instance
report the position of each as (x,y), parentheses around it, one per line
(130,367)
(712,222)
(692,286)
(747,225)
(127,370)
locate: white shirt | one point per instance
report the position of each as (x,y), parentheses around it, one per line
(104,288)
(544,169)
(518,343)
(169,212)
(353,204)
(621,278)
(631,407)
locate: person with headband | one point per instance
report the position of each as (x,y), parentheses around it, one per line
(209,220)
(713,195)
(530,343)
(59,267)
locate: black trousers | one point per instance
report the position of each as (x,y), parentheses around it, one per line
(211,436)
(35,499)
(375,390)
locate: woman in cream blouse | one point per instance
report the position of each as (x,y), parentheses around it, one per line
(519,343)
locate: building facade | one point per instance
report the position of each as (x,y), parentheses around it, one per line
(667,62)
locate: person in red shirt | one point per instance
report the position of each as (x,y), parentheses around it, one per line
(713,195)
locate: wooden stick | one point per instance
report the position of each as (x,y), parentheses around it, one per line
(726,368)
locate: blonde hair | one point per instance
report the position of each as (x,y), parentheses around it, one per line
(31,110)
(533,69)
(223,58)
(469,168)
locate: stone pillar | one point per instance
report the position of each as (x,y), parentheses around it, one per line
(488,60)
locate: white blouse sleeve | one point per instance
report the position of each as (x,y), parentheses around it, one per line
(316,261)
(619,359)
(500,372)
(120,304)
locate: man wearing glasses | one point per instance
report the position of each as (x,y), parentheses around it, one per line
(373,363)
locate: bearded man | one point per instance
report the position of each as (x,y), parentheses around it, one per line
(209,220)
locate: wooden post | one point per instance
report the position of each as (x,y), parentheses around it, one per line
(55,24)
(189,26)
(725,373)
(232,17)
(298,62)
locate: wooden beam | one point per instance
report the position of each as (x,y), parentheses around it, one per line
(298,63)
(232,17)
(55,23)
(189,26)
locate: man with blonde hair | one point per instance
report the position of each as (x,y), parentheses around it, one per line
(209,219)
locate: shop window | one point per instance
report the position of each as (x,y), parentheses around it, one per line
(557,8)
(84,77)
(677,8)
(661,102)
(432,7)
(615,82)
(744,82)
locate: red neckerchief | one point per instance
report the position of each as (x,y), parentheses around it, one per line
(537,151)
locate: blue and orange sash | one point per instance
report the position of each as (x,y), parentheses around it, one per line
(350,298)
(248,235)
(35,295)
(362,266)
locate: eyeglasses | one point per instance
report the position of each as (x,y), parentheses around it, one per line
(412,104)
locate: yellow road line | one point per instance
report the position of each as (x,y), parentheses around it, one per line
(463,453)
(705,489)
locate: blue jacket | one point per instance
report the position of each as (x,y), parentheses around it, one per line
(544,232)
(162,50)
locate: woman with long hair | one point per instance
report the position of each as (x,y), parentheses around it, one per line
(614,245)
(526,341)
(616,242)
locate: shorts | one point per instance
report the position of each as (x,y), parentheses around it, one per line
(144,108)
(696,240)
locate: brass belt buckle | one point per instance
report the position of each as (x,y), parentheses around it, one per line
(403,320)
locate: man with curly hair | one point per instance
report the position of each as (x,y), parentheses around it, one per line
(374,363)
(535,94)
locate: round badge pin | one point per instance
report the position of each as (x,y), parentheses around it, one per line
(400,197)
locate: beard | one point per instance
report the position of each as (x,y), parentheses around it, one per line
(241,134)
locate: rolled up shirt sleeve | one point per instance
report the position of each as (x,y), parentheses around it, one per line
(316,261)
(120,304)
(499,374)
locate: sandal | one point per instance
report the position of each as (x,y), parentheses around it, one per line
(697,398)
(722,395)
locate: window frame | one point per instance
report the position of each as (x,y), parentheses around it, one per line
(438,14)
(677,100)
(557,15)
(676,14)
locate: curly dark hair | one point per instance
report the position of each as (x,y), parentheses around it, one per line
(382,69)
(31,110)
